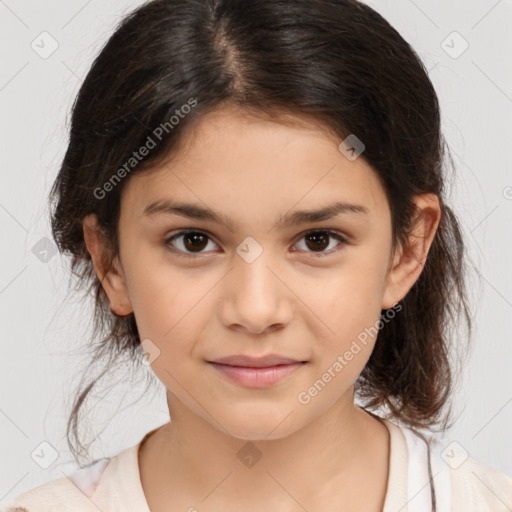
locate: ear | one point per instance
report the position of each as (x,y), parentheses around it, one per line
(408,261)
(112,278)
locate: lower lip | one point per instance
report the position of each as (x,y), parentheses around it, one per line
(257,377)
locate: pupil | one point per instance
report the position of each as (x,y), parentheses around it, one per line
(320,239)
(197,241)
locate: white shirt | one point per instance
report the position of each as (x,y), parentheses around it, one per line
(459,483)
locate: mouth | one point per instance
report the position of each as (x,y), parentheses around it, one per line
(256,372)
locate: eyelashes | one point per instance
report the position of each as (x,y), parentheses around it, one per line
(201,240)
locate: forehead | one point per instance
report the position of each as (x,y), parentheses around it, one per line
(244,165)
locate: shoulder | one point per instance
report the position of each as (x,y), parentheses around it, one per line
(425,469)
(105,484)
(60,494)
(477,486)
(461,483)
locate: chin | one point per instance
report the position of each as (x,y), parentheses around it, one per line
(258,423)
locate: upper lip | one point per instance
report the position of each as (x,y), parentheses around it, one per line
(256,362)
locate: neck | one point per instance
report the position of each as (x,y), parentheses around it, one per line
(341,453)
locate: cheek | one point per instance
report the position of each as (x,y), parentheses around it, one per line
(168,303)
(348,297)
(348,303)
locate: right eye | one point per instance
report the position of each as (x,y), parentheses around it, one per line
(188,242)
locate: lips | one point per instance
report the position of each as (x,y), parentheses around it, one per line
(256,372)
(256,362)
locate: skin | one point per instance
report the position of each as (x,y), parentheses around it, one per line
(297,303)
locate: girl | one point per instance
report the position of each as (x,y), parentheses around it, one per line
(255,192)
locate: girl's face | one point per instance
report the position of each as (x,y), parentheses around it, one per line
(252,278)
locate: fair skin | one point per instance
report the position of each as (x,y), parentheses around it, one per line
(294,300)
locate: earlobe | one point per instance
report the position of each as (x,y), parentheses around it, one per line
(408,262)
(111,276)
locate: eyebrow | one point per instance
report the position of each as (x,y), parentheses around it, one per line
(294,218)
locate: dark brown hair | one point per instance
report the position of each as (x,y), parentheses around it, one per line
(338,62)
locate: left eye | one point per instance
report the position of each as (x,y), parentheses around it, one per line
(318,241)
(194,242)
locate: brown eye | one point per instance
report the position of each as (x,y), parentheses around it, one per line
(194,241)
(189,242)
(318,241)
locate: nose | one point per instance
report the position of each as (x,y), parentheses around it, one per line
(255,297)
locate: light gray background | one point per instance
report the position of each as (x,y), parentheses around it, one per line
(41,334)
